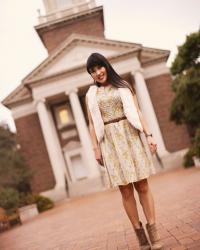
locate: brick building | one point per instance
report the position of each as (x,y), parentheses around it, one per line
(49,110)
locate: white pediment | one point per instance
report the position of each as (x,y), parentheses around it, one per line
(74,52)
(77,56)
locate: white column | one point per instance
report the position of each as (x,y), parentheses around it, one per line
(56,140)
(148,110)
(83,133)
(53,147)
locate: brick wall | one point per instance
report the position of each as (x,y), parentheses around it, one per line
(175,137)
(53,35)
(34,150)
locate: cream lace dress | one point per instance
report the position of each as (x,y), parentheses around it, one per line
(124,155)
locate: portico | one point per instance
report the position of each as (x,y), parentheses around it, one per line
(73,166)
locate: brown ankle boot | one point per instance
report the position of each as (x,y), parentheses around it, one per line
(154,236)
(141,236)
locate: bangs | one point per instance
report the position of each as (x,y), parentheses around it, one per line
(94,61)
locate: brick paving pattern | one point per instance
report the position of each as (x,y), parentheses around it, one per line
(99,222)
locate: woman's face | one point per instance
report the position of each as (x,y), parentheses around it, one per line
(99,74)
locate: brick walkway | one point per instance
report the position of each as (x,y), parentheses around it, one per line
(99,222)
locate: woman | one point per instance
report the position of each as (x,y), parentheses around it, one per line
(115,123)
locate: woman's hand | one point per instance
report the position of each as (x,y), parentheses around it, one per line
(152,144)
(98,156)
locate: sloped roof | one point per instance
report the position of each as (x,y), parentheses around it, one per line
(73,41)
(21,93)
(70,45)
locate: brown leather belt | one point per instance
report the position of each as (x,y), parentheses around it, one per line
(115,120)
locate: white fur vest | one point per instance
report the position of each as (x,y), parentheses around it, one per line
(129,107)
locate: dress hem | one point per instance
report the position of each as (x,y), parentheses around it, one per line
(124,184)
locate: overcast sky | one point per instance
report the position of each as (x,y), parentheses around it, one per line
(153,23)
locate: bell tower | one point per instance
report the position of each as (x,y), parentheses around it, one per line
(64,17)
(52,6)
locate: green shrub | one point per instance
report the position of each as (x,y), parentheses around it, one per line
(9,199)
(187,160)
(196,143)
(43,203)
(193,151)
(26,199)
(14,173)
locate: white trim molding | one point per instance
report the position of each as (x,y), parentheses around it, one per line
(155,70)
(23,110)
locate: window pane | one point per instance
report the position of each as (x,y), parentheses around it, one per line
(64,116)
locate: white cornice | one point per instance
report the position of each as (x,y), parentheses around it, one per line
(132,52)
(151,56)
(155,70)
(20,94)
(23,110)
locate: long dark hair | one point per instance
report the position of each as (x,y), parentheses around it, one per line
(96,59)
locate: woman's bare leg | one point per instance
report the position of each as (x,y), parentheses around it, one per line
(146,200)
(129,204)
